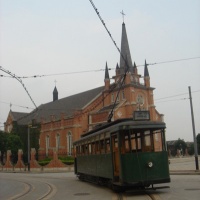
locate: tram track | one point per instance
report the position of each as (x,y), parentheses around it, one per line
(118,196)
(154,196)
(30,188)
(51,192)
(135,196)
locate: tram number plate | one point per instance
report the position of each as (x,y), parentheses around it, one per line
(141,115)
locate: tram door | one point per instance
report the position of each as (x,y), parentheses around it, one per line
(115,153)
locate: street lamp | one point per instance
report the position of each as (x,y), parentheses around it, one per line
(29,127)
(194,132)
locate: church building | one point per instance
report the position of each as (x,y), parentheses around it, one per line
(63,121)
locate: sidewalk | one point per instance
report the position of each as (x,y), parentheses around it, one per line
(183,166)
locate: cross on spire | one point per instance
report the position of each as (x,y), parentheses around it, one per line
(55,82)
(122,15)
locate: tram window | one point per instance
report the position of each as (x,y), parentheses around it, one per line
(107,141)
(156,136)
(139,141)
(102,146)
(82,149)
(78,150)
(93,148)
(97,147)
(127,144)
(116,142)
(86,149)
(133,144)
(136,141)
(125,147)
(90,148)
(147,143)
(157,140)
(147,139)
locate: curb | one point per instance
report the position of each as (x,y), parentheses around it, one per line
(184,172)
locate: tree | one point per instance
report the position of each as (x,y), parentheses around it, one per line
(3,141)
(180,145)
(11,142)
(191,149)
(22,132)
(14,143)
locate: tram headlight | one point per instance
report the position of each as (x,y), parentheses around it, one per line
(150,164)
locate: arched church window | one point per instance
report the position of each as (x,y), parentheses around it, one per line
(57,141)
(69,143)
(118,98)
(47,145)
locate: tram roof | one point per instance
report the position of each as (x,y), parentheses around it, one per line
(123,122)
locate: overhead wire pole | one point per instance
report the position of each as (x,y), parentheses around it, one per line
(17,78)
(194,132)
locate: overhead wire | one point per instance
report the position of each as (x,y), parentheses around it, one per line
(172,100)
(11,104)
(175,95)
(58,74)
(98,70)
(170,61)
(21,82)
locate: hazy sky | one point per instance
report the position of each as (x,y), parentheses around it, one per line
(50,37)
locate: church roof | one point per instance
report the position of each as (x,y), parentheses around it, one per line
(67,105)
(17,115)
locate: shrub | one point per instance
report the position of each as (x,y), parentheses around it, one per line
(44,161)
(68,160)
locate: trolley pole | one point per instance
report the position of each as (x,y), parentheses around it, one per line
(194,134)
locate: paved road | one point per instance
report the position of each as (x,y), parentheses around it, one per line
(34,186)
(182,187)
(65,185)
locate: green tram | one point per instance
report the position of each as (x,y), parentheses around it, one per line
(123,154)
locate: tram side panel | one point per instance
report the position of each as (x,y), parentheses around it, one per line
(95,165)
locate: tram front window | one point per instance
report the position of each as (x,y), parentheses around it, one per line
(136,142)
(141,141)
(148,143)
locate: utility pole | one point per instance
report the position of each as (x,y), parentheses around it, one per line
(194,133)
(29,126)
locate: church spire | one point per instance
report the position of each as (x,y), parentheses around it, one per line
(146,71)
(107,78)
(135,69)
(146,75)
(55,94)
(125,51)
(106,72)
